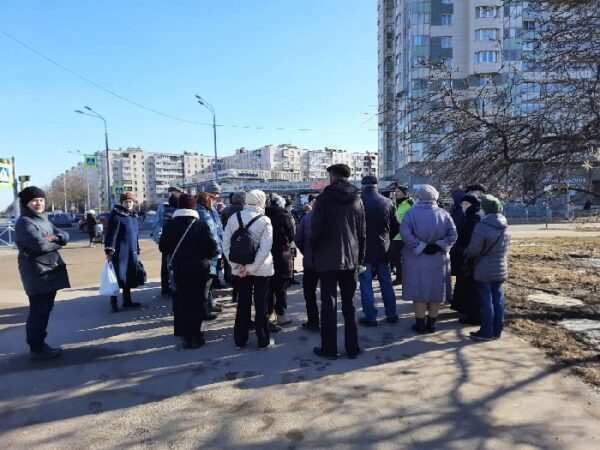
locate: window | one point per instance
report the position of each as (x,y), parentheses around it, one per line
(512,33)
(529,25)
(419,83)
(486,34)
(447,2)
(511,55)
(419,19)
(446,19)
(420,39)
(446,41)
(484,79)
(486,56)
(486,12)
(512,10)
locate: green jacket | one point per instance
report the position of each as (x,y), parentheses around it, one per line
(401,210)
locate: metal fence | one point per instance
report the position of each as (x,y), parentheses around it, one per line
(7,235)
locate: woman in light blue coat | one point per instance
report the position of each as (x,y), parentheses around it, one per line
(428,233)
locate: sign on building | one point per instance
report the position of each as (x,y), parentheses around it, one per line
(6,175)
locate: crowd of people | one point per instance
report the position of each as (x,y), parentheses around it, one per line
(346,237)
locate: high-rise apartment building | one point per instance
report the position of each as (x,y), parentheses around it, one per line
(475,39)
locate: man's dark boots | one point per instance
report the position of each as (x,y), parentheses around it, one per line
(430,325)
(419,325)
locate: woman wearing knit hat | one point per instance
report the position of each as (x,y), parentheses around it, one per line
(42,270)
(189,246)
(253,278)
(489,249)
(121,246)
(465,299)
(428,233)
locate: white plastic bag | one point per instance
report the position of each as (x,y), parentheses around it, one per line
(109,285)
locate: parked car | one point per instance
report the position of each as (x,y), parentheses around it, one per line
(102,218)
(60,220)
(76,217)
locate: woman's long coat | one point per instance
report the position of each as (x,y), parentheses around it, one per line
(426,278)
(34,252)
(122,238)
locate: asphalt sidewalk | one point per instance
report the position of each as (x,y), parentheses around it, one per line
(124,382)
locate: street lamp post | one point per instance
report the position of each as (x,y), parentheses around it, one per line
(90,112)
(87,181)
(208,106)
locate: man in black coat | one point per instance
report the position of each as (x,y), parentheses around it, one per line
(338,242)
(382,226)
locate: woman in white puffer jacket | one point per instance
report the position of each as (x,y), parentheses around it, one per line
(252,277)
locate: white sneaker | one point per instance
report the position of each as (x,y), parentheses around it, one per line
(283,320)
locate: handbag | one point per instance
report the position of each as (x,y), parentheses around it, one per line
(172,255)
(140,274)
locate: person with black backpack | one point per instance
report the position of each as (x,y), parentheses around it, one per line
(247,242)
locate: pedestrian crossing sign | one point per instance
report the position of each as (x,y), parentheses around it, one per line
(90,161)
(6,175)
(118,190)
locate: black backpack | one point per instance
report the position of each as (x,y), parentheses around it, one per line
(243,248)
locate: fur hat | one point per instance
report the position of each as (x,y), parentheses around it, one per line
(127,196)
(369,179)
(256,197)
(212,187)
(277,200)
(341,170)
(174,189)
(475,187)
(186,201)
(490,204)
(427,192)
(29,193)
(472,199)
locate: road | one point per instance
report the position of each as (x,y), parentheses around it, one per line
(124,382)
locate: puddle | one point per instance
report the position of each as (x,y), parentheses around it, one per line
(554,300)
(589,328)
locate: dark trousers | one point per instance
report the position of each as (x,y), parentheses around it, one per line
(329,284)
(40,307)
(188,309)
(395,255)
(164,275)
(278,294)
(207,293)
(310,280)
(249,287)
(234,290)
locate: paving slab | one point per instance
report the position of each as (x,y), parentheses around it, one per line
(124,382)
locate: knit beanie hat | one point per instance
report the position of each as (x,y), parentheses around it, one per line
(427,193)
(29,193)
(212,187)
(256,197)
(490,204)
(187,201)
(127,196)
(369,179)
(276,200)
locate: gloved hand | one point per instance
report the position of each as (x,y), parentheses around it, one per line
(432,249)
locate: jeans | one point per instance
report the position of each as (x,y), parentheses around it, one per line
(249,287)
(491,307)
(40,307)
(310,280)
(367,296)
(329,284)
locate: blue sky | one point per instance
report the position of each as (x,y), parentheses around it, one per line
(262,63)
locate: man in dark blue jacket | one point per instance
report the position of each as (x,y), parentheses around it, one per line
(338,243)
(382,226)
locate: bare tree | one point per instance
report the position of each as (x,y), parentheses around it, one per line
(513,126)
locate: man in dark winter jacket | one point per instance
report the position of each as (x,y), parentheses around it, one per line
(381,225)
(338,242)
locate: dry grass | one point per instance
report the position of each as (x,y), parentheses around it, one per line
(555,266)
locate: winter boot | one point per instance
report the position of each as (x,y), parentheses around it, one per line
(113,304)
(127,303)
(419,325)
(430,326)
